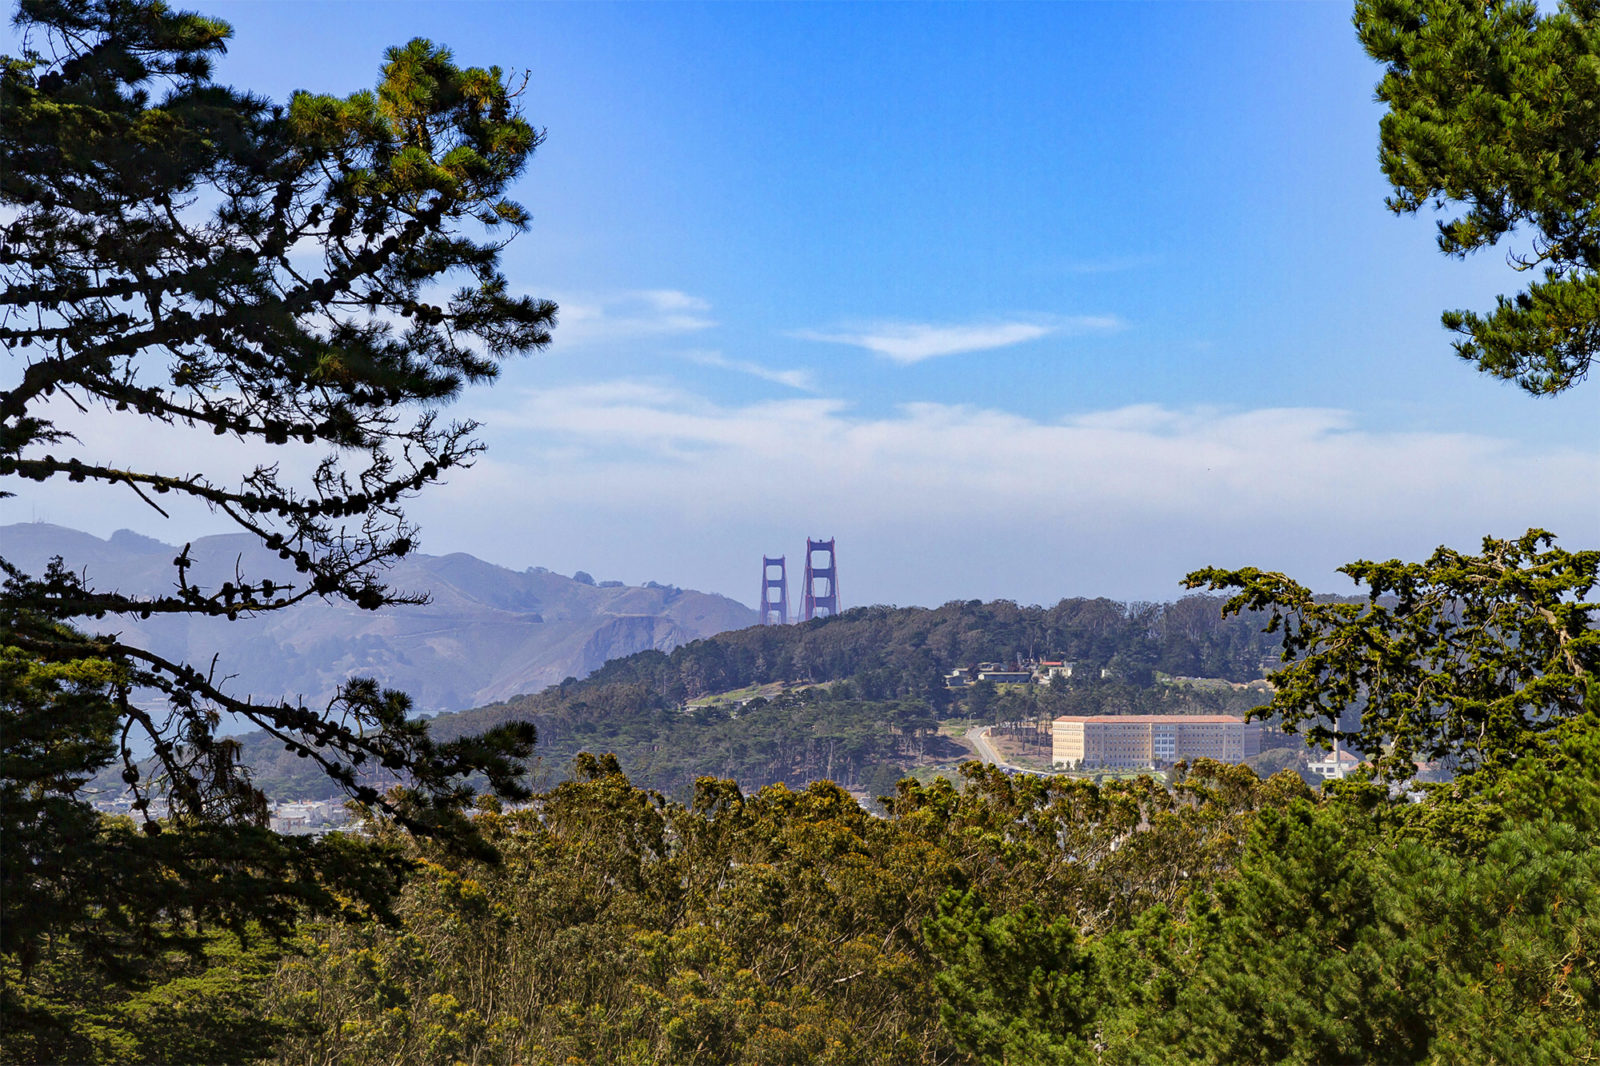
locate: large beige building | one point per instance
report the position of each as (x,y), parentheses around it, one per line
(1142,741)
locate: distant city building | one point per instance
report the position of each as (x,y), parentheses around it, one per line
(1335,765)
(1022,672)
(301,817)
(1146,741)
(957,679)
(1048,670)
(1006,677)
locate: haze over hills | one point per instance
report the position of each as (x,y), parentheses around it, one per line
(486,634)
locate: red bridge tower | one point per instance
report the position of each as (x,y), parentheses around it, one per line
(774,611)
(823,600)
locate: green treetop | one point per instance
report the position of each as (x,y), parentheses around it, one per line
(1495,109)
(1468,658)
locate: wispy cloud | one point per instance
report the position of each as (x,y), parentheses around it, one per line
(641,313)
(912,342)
(794,379)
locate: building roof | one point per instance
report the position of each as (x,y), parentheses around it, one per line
(1342,757)
(1139,719)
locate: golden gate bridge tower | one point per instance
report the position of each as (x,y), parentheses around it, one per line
(774,611)
(824,602)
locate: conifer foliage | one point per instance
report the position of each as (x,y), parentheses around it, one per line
(308,283)
(1495,108)
(1473,659)
(183,253)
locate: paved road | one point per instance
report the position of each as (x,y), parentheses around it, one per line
(980,744)
(978,737)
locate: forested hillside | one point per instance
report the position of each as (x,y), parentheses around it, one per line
(888,652)
(855,699)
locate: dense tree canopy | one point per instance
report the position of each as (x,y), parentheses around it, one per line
(1494,108)
(995,920)
(888,652)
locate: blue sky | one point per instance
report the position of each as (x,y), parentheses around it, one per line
(1015,300)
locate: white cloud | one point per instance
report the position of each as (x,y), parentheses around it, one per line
(590,319)
(672,300)
(912,342)
(938,501)
(932,501)
(794,379)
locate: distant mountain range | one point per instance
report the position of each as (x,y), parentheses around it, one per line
(488,633)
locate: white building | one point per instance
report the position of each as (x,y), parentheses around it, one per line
(1146,741)
(1047,671)
(1335,765)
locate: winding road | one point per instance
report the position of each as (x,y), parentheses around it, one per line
(978,737)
